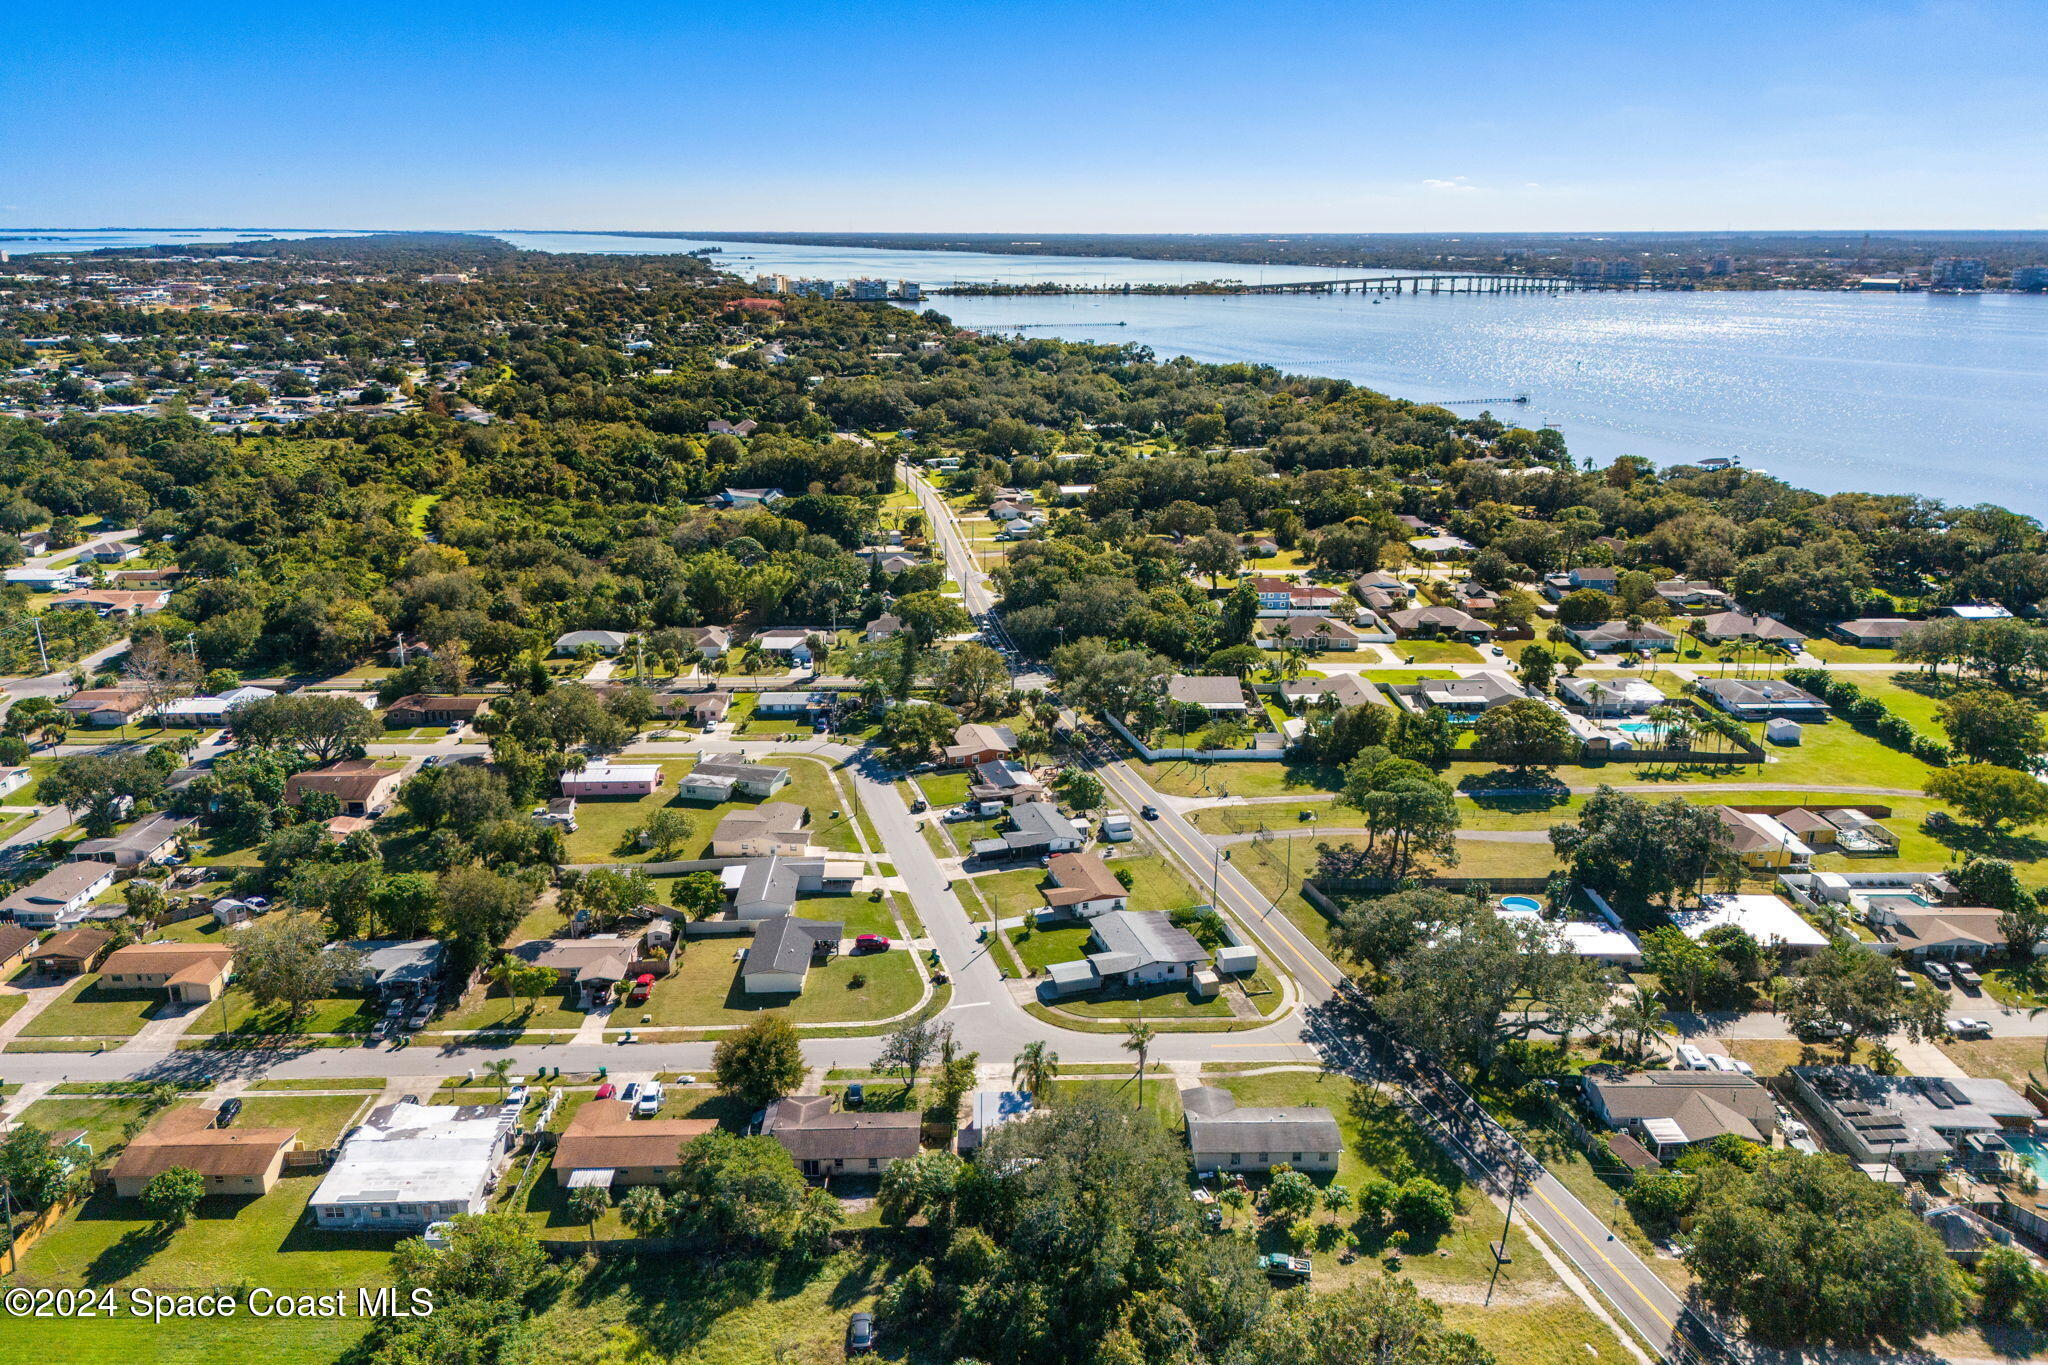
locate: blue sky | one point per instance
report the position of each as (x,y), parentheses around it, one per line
(1377,115)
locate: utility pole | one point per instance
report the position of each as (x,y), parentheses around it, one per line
(41,648)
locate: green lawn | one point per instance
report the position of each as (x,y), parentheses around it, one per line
(246,1021)
(1040,948)
(943,789)
(102,1119)
(1011,893)
(320,1119)
(495,1011)
(1835,652)
(1434,652)
(9,1003)
(85,1010)
(191,1341)
(264,1241)
(704,988)
(1238,779)
(602,822)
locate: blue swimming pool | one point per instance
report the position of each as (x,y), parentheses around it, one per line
(1527,904)
(2032,1150)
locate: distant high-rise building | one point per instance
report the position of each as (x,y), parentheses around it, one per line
(813,289)
(1621,272)
(868,291)
(2032,278)
(1958,272)
(909,291)
(1587,269)
(772,284)
(1722,265)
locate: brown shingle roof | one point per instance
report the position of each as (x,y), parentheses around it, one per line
(187,1138)
(812,1130)
(1081,877)
(349,779)
(174,960)
(605,1134)
(82,944)
(13,939)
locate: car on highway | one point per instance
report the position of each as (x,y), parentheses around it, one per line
(1963,1026)
(1149,812)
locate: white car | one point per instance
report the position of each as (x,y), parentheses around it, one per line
(1691,1058)
(957,814)
(1964,1027)
(649,1103)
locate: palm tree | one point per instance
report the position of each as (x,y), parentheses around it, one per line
(1035,1069)
(499,1071)
(1637,1019)
(1138,1038)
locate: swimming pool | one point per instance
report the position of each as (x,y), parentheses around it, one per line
(1635,727)
(2030,1149)
(1526,904)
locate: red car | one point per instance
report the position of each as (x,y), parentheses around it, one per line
(606,1091)
(871,943)
(638,995)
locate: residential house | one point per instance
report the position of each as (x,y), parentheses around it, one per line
(762,888)
(604,1145)
(1691,595)
(720,779)
(1608,637)
(774,827)
(824,1141)
(241,1161)
(891,561)
(719,426)
(793,643)
(603,641)
(988,1110)
(1974,611)
(117,552)
(559,811)
(1875,632)
(1597,577)
(787,705)
(362,785)
(1224,1136)
(421,709)
(1288,596)
(1441,547)
(58,899)
(152,839)
(1608,696)
(1037,830)
(211,710)
(115,601)
(710,641)
(613,779)
(1316,634)
(1760,699)
(1669,1111)
(64,953)
(1134,948)
(887,626)
(747,497)
(1741,627)
(1005,780)
(387,967)
(1841,829)
(1083,886)
(1472,695)
(1762,842)
(40,580)
(974,745)
(1475,598)
(1382,583)
(1222,695)
(784,950)
(15,942)
(1344,689)
(1429,623)
(410,1164)
(703,709)
(589,966)
(1915,1123)
(104,705)
(187,973)
(1914,928)
(13,780)
(1766,919)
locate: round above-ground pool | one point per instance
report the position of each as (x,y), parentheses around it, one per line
(1528,904)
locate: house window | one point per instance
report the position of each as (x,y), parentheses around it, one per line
(874,1163)
(1237,1158)
(1263,1157)
(1297,1157)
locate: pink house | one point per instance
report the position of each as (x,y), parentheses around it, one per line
(613,779)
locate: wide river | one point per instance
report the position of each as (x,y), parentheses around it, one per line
(1910,393)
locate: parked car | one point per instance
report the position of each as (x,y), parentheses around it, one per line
(860,1334)
(606,1091)
(1905,980)
(1823,1031)
(1965,976)
(455,727)
(225,1115)
(919,806)
(1691,1058)
(421,1016)
(394,1008)
(1720,1061)
(643,985)
(1280,1266)
(1936,973)
(631,1092)
(870,943)
(649,1103)
(957,814)
(1963,1027)
(379,1031)
(856,1095)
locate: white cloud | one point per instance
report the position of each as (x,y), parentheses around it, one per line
(1455,185)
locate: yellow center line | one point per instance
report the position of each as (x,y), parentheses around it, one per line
(1619,1273)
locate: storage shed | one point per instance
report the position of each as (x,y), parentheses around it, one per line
(1236,961)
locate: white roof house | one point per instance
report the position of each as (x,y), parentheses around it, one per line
(413,1164)
(1599,942)
(1768,920)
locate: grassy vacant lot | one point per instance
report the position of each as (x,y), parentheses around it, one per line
(102,1119)
(2012,1060)
(343,1014)
(943,789)
(191,1341)
(86,1010)
(1530,1316)
(1238,779)
(1434,652)
(320,1119)
(602,822)
(495,1011)
(704,988)
(262,1241)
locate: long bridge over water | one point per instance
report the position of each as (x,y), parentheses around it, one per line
(1449,282)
